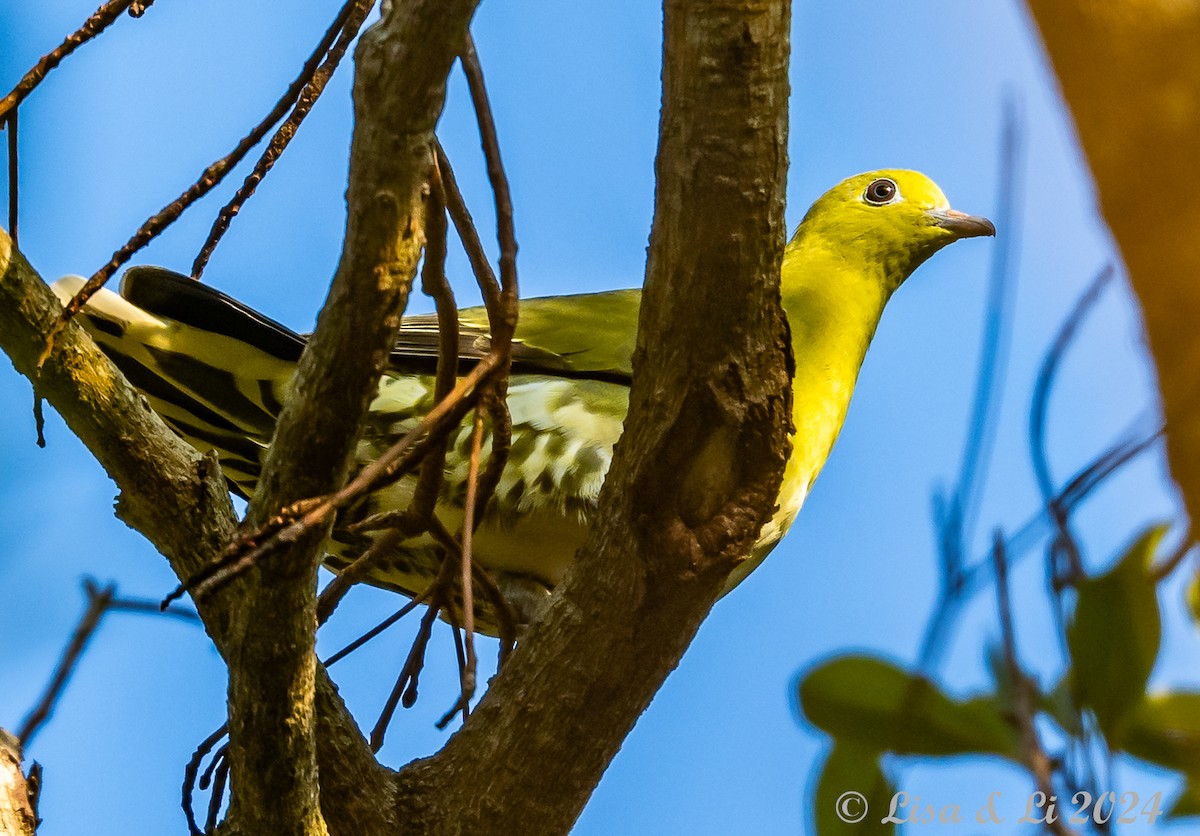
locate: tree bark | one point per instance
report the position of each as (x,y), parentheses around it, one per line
(399,90)
(1130,72)
(699,466)
(18,799)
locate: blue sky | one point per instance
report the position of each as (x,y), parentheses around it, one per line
(129,122)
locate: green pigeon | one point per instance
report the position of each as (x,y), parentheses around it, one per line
(217,372)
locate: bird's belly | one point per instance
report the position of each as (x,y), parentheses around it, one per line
(540,544)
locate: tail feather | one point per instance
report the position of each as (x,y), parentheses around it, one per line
(215,370)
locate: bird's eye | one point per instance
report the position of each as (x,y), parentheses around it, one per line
(880,191)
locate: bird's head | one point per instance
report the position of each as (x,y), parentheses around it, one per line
(888,221)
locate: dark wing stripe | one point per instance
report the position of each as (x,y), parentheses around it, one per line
(104,326)
(156,387)
(238,446)
(174,296)
(217,386)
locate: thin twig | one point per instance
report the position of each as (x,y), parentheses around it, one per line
(13,180)
(505,616)
(101,600)
(190,773)
(208,180)
(1163,570)
(460,657)
(1065,546)
(405,689)
(100,20)
(955,514)
(505,231)
(379,628)
(467,671)
(1024,690)
(219,772)
(336,589)
(98,600)
(1132,443)
(997,326)
(349,20)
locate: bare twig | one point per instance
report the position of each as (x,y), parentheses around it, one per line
(1024,690)
(460,657)
(467,670)
(218,773)
(506,618)
(954,515)
(190,773)
(208,180)
(1065,545)
(100,20)
(336,589)
(379,628)
(1173,561)
(997,326)
(349,20)
(98,600)
(405,689)
(13,178)
(959,579)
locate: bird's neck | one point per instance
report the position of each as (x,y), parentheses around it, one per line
(833,308)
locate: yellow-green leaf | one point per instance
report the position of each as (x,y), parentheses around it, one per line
(1165,729)
(878,706)
(1114,636)
(1187,803)
(853,794)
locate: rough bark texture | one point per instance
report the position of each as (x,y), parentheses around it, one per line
(1130,72)
(695,474)
(399,91)
(18,814)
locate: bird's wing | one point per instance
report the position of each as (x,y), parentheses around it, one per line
(589,335)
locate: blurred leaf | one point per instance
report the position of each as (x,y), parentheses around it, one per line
(1114,636)
(1187,803)
(1193,598)
(1165,729)
(875,704)
(852,785)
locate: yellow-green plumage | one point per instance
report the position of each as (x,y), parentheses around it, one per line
(217,372)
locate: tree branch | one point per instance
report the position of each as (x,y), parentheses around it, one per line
(399,91)
(711,387)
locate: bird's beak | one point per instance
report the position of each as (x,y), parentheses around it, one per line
(962,224)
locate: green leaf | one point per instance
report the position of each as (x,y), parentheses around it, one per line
(1187,803)
(1165,729)
(852,785)
(878,706)
(1114,636)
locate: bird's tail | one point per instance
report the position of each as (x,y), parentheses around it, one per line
(214,369)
